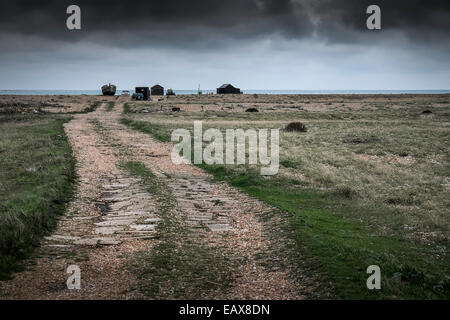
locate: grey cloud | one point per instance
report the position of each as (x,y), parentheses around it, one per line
(211,23)
(259,44)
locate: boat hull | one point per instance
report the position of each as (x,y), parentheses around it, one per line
(109,90)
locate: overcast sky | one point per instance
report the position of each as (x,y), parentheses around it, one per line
(254,44)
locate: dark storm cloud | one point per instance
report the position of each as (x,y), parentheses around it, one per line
(418,20)
(203,22)
(128,22)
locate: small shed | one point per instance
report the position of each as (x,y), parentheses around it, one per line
(157,90)
(228,89)
(145,92)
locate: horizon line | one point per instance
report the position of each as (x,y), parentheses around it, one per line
(240,88)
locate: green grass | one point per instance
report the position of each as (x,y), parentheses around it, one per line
(36,182)
(153,130)
(343,248)
(92,107)
(110,106)
(126,108)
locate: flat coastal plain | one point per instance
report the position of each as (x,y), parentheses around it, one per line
(89,181)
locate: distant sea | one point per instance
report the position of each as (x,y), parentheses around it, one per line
(181,92)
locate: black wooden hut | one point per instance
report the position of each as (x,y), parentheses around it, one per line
(157,90)
(228,89)
(145,92)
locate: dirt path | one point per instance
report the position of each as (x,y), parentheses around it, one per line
(113,216)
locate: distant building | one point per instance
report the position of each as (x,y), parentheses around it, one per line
(145,92)
(157,90)
(228,89)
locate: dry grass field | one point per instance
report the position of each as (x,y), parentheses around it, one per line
(367,183)
(378,149)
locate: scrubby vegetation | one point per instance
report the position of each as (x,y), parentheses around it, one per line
(92,107)
(296,127)
(366,184)
(36,181)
